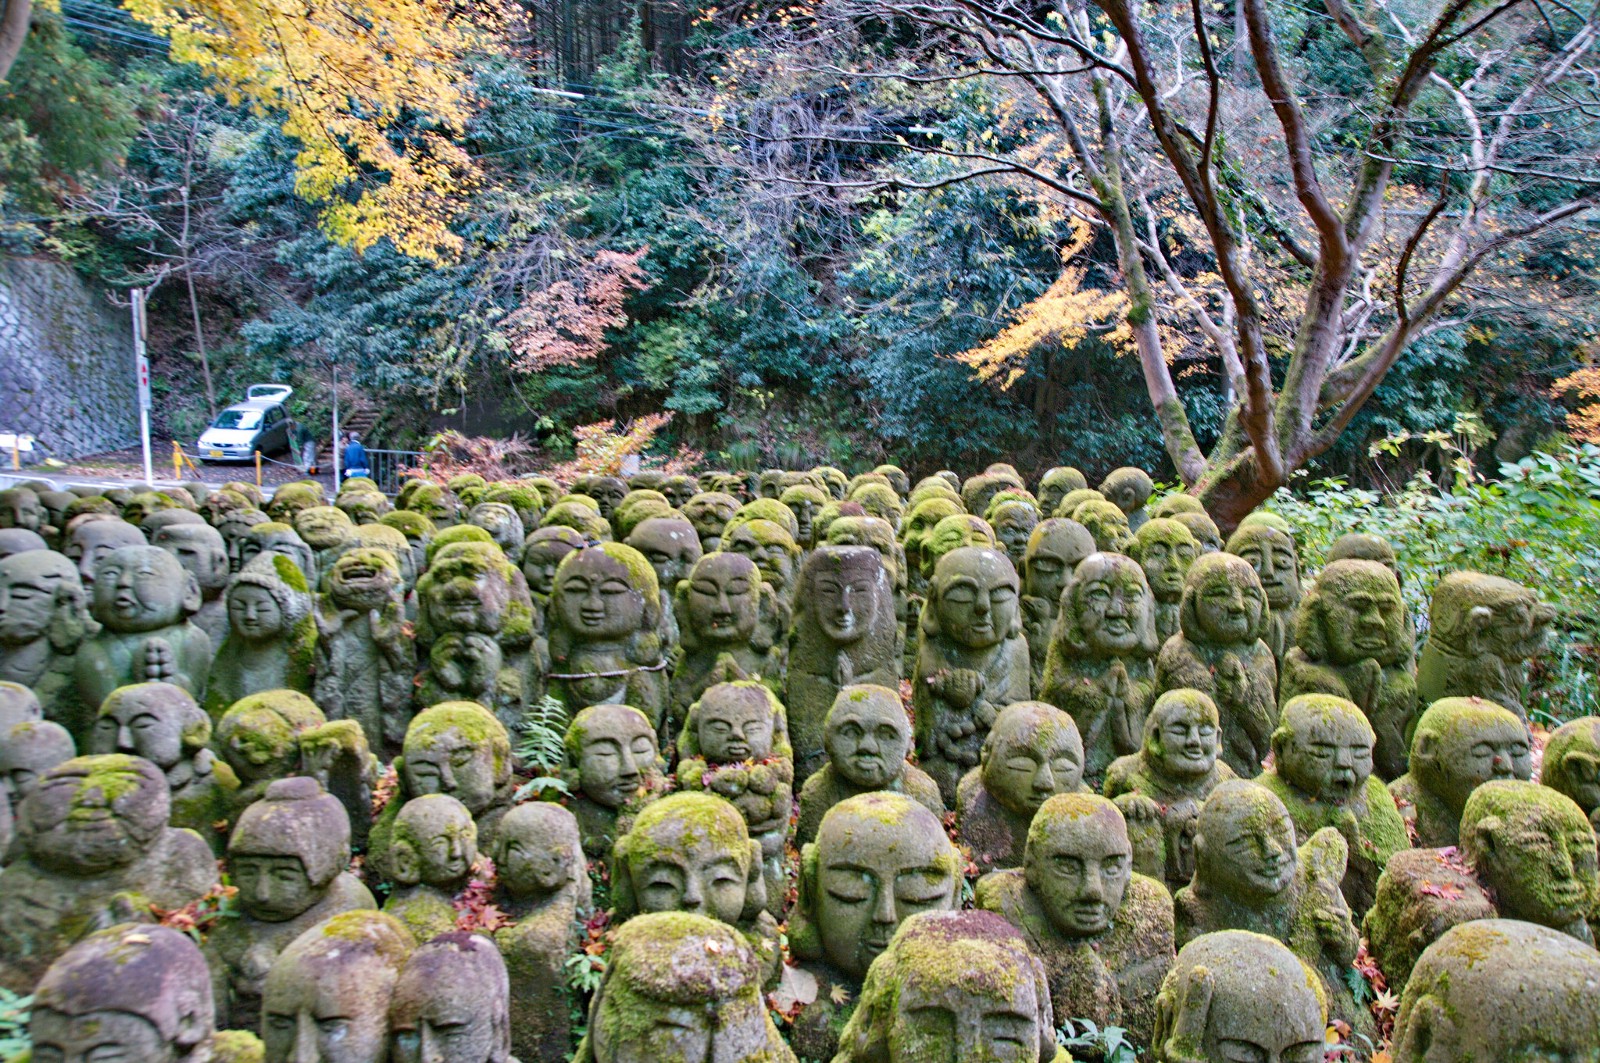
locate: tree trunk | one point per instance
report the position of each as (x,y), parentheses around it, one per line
(14,15)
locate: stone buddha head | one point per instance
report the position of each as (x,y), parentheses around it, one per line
(1474,614)
(328,995)
(542,552)
(1271,552)
(709,512)
(91,815)
(612,754)
(734,722)
(1361,546)
(287,849)
(143,588)
(1055,483)
(1534,850)
(1204,530)
(90,542)
(1354,612)
(324,527)
(1014,521)
(1128,487)
(435,843)
(1032,753)
(431,500)
(1245,846)
(867,736)
(1572,763)
(501,522)
(157,721)
(973,599)
(1165,550)
(952,533)
(720,602)
(21,508)
(283,541)
(688,852)
(268,602)
(1323,748)
(1461,743)
(20,540)
(452,1003)
(606,593)
(259,735)
(877,859)
(1106,522)
(537,854)
(1223,602)
(41,598)
(18,704)
(805,502)
(1078,863)
(671,545)
(27,751)
(200,550)
(289,499)
(235,525)
(770,545)
(1055,547)
(1107,610)
(845,591)
(1234,995)
(1183,735)
(458,749)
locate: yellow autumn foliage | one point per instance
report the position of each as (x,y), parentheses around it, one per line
(1065,314)
(1584,384)
(345,73)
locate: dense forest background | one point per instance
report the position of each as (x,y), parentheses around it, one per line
(665,218)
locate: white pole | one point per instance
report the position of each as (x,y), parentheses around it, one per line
(336,454)
(141,369)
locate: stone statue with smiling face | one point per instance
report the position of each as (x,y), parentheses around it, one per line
(732,626)
(346,967)
(452,1004)
(1232,995)
(613,768)
(605,641)
(430,858)
(44,619)
(1032,753)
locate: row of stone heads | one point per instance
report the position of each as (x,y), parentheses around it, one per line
(1302,853)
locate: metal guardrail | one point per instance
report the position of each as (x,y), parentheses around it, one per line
(386,466)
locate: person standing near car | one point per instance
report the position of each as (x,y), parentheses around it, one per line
(355,457)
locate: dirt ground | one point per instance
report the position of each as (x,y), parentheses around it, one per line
(129,465)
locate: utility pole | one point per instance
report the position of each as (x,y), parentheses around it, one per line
(141,370)
(336,454)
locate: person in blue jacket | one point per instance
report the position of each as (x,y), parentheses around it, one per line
(355,457)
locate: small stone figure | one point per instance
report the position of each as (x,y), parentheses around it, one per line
(1249,875)
(1055,483)
(1353,640)
(92,542)
(1165,550)
(844,633)
(1234,995)
(709,512)
(21,508)
(287,856)
(605,632)
(1176,769)
(1483,632)
(972,660)
(542,552)
(1455,1005)
(1129,489)
(543,885)
(1032,753)
(128,993)
(1526,853)
(44,619)
(953,985)
(271,641)
(1271,552)
(732,626)
(1459,744)
(365,658)
(1572,764)
(1204,530)
(163,724)
(672,548)
(1054,550)
(1106,522)
(878,859)
(1220,652)
(430,858)
(284,541)
(679,489)
(1013,522)
(736,745)
(18,704)
(1177,502)
(613,768)
(460,750)
(771,546)
(27,751)
(867,736)
(952,533)
(452,1004)
(805,502)
(200,549)
(235,527)
(919,524)
(1322,772)
(1101,668)
(143,599)
(501,522)
(343,969)
(690,852)
(977,491)
(95,849)
(289,499)
(20,540)
(470,588)
(1103,930)
(680,987)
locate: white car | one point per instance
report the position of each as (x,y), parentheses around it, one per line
(258,423)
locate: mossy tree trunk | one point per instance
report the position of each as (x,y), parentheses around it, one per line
(14,15)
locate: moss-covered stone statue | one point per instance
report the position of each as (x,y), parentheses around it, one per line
(45,618)
(501,522)
(1165,549)
(853,530)
(679,986)
(143,600)
(805,502)
(972,660)
(1129,489)
(200,549)
(1219,651)
(1101,667)
(429,859)
(1252,874)
(1501,990)
(365,653)
(1014,521)
(1175,769)
(954,985)
(638,507)
(165,725)
(289,499)
(21,508)
(235,527)
(613,769)
(457,749)
(1526,853)
(1103,930)
(281,539)
(736,745)
(1459,744)
(844,633)
(28,750)
(1322,772)
(1204,530)
(1055,483)
(90,542)
(1482,632)
(1054,550)
(259,739)
(672,547)
(952,533)
(771,546)
(326,529)
(128,992)
(1353,641)
(976,491)
(605,632)
(731,626)
(542,552)
(543,887)
(452,1003)
(1106,522)
(94,848)
(1271,551)
(690,852)
(1572,764)
(867,736)
(287,856)
(434,501)
(1032,753)
(1235,995)
(878,859)
(271,641)
(709,512)
(344,968)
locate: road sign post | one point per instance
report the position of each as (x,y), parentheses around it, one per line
(141,369)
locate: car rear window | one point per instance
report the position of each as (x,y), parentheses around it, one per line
(238,419)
